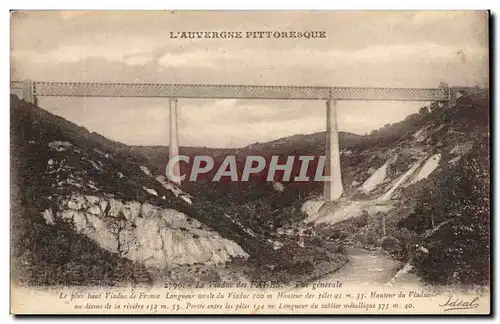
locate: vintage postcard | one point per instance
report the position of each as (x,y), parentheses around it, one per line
(250,162)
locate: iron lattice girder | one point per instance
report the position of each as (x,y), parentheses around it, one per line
(96,89)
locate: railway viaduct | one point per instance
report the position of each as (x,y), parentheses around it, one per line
(31,90)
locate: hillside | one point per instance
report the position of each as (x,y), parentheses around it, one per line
(87,210)
(409,187)
(77,194)
(423,196)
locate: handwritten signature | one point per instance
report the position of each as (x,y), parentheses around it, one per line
(454,303)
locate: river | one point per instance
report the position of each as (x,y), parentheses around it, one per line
(369,267)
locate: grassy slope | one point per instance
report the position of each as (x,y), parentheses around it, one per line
(454,202)
(445,196)
(260,208)
(41,251)
(52,255)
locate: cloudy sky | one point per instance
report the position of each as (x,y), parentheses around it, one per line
(400,49)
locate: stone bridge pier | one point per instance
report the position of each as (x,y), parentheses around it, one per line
(173,147)
(332,189)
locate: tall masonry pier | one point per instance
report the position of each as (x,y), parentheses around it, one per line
(173,147)
(332,189)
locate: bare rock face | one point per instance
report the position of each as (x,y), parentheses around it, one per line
(145,233)
(311,207)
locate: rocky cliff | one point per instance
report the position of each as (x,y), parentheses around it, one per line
(154,236)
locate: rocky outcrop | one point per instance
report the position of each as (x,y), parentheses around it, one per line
(154,236)
(429,166)
(311,207)
(375,179)
(171,187)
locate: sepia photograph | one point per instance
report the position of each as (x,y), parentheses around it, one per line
(250,162)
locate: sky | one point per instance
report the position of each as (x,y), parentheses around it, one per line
(361,48)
